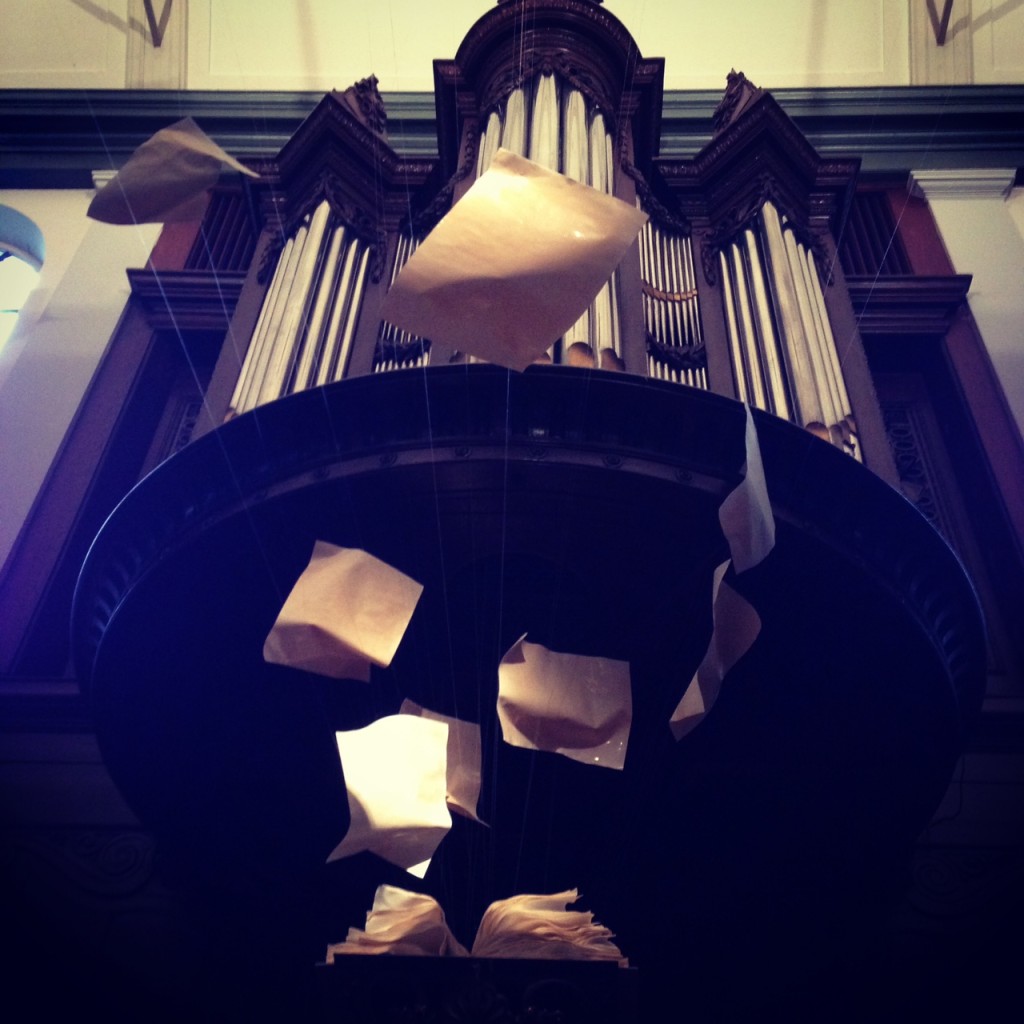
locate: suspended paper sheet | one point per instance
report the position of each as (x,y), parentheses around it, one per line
(569,704)
(736,626)
(543,928)
(401,922)
(346,611)
(746,513)
(464,758)
(395,774)
(513,264)
(166,179)
(749,526)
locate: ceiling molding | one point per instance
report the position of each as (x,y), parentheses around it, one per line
(57,138)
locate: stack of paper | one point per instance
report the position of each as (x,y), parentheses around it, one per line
(527,927)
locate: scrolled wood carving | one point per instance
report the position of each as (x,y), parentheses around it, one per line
(544,61)
(663,218)
(678,357)
(421,223)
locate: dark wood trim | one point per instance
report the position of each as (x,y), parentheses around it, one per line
(907,305)
(187,300)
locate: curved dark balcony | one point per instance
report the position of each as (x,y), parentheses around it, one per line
(579,507)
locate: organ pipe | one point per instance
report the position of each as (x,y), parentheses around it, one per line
(670,308)
(780,341)
(397,349)
(304,330)
(552,123)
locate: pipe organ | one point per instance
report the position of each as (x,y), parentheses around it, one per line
(549,121)
(303,337)
(754,210)
(675,348)
(782,350)
(397,349)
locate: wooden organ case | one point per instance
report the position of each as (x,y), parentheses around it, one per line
(733,285)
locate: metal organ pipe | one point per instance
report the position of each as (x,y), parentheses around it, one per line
(739,369)
(780,339)
(329,359)
(257,353)
(669,304)
(751,355)
(806,331)
(389,337)
(552,123)
(769,348)
(801,374)
(311,348)
(304,330)
(276,381)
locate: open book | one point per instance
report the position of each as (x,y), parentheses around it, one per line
(522,927)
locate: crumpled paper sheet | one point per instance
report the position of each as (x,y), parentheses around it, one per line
(401,922)
(464,759)
(543,928)
(396,779)
(347,610)
(570,704)
(513,264)
(166,179)
(748,523)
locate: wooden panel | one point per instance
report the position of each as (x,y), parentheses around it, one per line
(998,30)
(53,44)
(320,44)
(784,43)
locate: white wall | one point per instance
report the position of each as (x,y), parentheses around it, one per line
(323,44)
(982,225)
(62,333)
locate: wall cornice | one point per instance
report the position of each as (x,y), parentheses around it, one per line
(55,138)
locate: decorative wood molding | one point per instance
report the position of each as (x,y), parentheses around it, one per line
(187,299)
(907,305)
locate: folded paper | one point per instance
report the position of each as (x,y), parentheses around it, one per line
(395,774)
(166,179)
(577,706)
(513,264)
(543,928)
(400,922)
(749,526)
(464,758)
(347,610)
